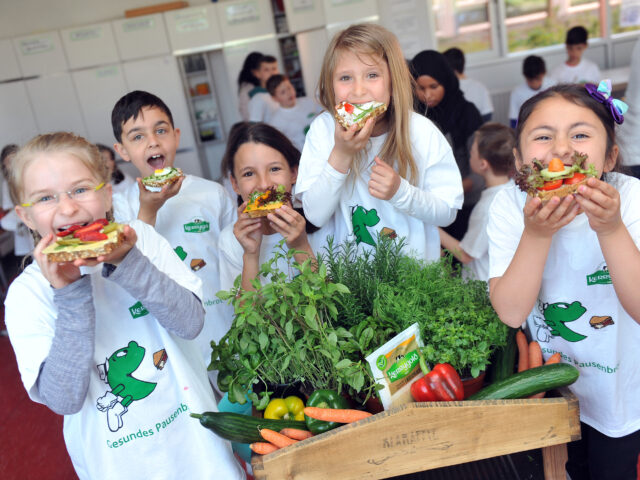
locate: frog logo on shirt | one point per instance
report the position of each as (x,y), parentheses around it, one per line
(362,218)
(196,225)
(117,371)
(556,315)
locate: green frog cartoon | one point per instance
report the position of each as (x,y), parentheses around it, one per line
(362,218)
(556,315)
(117,372)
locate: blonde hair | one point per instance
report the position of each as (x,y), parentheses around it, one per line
(59,142)
(373,40)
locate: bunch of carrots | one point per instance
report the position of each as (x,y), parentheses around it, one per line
(289,436)
(530,356)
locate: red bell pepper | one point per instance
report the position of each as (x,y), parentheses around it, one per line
(442,384)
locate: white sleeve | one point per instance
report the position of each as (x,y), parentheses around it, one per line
(513,107)
(230,258)
(504,229)
(475,241)
(488,106)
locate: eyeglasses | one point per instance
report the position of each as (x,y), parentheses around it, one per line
(81,193)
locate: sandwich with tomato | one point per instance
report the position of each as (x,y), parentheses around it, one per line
(348,114)
(263,203)
(85,241)
(556,179)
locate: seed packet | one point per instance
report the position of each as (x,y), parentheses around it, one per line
(396,365)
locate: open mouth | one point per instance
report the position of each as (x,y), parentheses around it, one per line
(68,226)
(156,161)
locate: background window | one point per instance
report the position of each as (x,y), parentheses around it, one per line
(625,16)
(464,24)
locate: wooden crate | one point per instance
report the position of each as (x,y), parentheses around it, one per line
(423,436)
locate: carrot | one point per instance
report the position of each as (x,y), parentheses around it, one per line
(276,438)
(523,351)
(535,355)
(555,358)
(338,415)
(296,433)
(262,448)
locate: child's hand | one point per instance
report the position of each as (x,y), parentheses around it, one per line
(115,256)
(291,225)
(151,202)
(348,143)
(545,220)
(601,203)
(59,275)
(384,182)
(248,231)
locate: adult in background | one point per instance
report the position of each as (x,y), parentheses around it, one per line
(443,102)
(247,81)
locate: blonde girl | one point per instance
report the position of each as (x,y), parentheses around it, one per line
(102,341)
(571,269)
(396,175)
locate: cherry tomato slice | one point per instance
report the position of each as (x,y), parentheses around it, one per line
(348,108)
(92,236)
(69,230)
(552,185)
(92,227)
(577,178)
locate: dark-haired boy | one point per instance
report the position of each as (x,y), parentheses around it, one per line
(473,90)
(491,157)
(534,71)
(261,105)
(189,213)
(576,69)
(295,113)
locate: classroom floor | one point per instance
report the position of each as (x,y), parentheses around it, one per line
(32,446)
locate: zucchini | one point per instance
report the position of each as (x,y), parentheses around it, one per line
(529,382)
(504,360)
(242,428)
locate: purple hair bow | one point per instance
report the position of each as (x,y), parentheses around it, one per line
(602,93)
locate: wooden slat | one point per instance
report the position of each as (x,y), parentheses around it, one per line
(161,7)
(423,436)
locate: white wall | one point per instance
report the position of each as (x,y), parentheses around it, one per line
(21,17)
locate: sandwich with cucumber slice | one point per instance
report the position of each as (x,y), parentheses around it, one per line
(556,179)
(349,114)
(162,177)
(85,241)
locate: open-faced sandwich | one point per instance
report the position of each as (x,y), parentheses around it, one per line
(161,177)
(348,114)
(555,180)
(85,241)
(262,203)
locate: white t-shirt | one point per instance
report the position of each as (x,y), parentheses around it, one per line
(578,313)
(22,239)
(231,252)
(294,122)
(477,93)
(124,185)
(629,132)
(524,92)
(155,436)
(414,212)
(191,222)
(475,241)
(584,72)
(261,107)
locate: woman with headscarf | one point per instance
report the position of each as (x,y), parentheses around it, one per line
(442,101)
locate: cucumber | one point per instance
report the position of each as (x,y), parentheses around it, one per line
(243,428)
(504,360)
(529,382)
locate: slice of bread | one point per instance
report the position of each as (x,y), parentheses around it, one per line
(563,191)
(67,253)
(154,184)
(346,120)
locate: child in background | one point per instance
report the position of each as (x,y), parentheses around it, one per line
(395,176)
(83,353)
(534,71)
(261,105)
(22,240)
(546,258)
(258,157)
(576,69)
(190,214)
(492,159)
(473,90)
(247,81)
(295,114)
(119,181)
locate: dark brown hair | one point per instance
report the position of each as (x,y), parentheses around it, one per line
(495,144)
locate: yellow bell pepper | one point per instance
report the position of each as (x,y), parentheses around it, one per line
(290,408)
